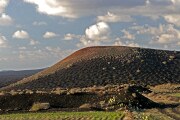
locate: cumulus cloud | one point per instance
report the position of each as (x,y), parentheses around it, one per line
(3,59)
(38,55)
(70,36)
(146,29)
(164,34)
(53,7)
(170,36)
(22,48)
(178,43)
(85,42)
(165,38)
(167,34)
(3,4)
(41,23)
(110,17)
(174,19)
(119,42)
(100,34)
(3,41)
(97,32)
(118,9)
(49,35)
(71,9)
(128,35)
(5,20)
(21,34)
(33,42)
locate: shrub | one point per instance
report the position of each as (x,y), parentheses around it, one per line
(29,92)
(13,92)
(59,91)
(74,90)
(86,106)
(40,106)
(2,93)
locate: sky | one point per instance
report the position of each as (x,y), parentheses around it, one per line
(38,33)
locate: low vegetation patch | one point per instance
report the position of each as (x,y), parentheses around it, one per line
(175,94)
(65,115)
(40,106)
(97,98)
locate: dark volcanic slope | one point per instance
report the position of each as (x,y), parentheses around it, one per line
(9,77)
(108,65)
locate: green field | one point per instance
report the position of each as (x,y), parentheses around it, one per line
(64,116)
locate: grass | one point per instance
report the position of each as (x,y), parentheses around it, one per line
(175,94)
(151,116)
(65,115)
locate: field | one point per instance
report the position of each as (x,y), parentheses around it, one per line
(149,114)
(65,116)
(121,82)
(169,97)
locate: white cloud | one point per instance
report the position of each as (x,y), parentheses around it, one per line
(128,35)
(164,34)
(165,38)
(5,20)
(110,17)
(3,4)
(167,34)
(71,9)
(178,43)
(85,42)
(21,34)
(3,41)
(98,32)
(148,2)
(70,36)
(174,19)
(126,43)
(22,48)
(41,23)
(3,59)
(33,42)
(37,55)
(49,35)
(52,7)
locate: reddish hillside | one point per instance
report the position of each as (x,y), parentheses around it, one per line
(107,65)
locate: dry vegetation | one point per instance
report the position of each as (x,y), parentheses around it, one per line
(106,98)
(168,94)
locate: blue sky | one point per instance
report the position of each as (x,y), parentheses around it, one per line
(38,33)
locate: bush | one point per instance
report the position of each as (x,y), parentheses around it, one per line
(13,92)
(2,93)
(59,91)
(86,106)
(40,106)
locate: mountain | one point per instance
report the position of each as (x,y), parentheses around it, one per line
(9,77)
(102,65)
